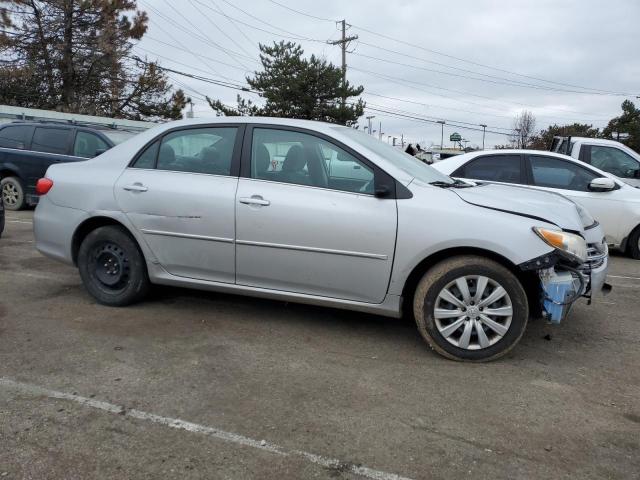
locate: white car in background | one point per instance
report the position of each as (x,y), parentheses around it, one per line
(611,201)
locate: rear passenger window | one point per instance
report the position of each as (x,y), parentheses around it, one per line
(148,158)
(51,140)
(198,150)
(493,168)
(15,137)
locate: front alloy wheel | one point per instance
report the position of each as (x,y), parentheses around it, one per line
(473,312)
(470,308)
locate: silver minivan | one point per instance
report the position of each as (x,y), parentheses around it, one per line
(323,214)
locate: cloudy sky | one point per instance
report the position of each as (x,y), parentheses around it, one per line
(466,62)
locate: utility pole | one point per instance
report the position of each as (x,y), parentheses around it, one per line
(380,130)
(441,122)
(343,42)
(484,130)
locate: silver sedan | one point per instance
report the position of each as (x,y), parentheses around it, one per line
(323,214)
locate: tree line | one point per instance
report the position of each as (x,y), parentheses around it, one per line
(625,128)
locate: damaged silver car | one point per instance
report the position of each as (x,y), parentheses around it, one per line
(321,214)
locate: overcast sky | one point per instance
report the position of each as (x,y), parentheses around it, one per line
(557,48)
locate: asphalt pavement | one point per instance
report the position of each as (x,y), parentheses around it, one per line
(201,385)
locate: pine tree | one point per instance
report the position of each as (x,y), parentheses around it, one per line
(295,87)
(74,56)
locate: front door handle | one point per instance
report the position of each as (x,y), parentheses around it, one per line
(136,187)
(254,200)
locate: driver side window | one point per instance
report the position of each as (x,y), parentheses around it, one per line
(293,157)
(614,161)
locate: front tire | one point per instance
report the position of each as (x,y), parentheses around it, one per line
(470,308)
(112,267)
(634,244)
(12,193)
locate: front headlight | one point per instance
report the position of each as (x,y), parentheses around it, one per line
(569,244)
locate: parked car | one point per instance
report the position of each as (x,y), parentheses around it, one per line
(27,149)
(607,155)
(611,201)
(195,203)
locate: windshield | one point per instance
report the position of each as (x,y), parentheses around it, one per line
(118,136)
(407,163)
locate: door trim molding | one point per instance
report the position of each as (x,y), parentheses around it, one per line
(187,235)
(347,253)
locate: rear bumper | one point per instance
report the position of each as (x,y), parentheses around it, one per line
(53,228)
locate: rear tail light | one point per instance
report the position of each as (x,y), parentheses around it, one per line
(43,186)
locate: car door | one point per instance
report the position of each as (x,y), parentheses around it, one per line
(507,168)
(614,161)
(572,180)
(179,193)
(301,230)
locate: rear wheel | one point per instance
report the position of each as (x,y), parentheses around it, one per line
(112,267)
(470,308)
(12,193)
(634,244)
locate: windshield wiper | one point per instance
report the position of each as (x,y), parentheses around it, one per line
(454,184)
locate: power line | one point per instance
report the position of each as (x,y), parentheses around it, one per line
(301,13)
(218,28)
(496,82)
(205,35)
(461,92)
(453,57)
(289,34)
(234,23)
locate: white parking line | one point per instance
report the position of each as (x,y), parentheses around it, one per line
(20,221)
(201,429)
(620,276)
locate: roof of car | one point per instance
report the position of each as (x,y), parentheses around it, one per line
(66,124)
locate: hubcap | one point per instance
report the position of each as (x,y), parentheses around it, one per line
(10,194)
(111,266)
(473,312)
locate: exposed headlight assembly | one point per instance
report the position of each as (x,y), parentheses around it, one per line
(570,245)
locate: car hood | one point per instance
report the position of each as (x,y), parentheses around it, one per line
(538,205)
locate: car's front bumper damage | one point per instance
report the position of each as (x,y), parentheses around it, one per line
(561,284)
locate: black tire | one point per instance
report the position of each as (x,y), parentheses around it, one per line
(112,267)
(634,244)
(12,193)
(442,275)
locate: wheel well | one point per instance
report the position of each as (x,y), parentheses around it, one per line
(8,173)
(529,280)
(87,227)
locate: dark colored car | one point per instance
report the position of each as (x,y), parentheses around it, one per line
(27,149)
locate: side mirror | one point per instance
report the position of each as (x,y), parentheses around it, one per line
(603,184)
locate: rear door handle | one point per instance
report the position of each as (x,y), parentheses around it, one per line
(136,187)
(254,200)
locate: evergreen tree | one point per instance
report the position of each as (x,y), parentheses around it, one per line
(628,122)
(295,87)
(74,56)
